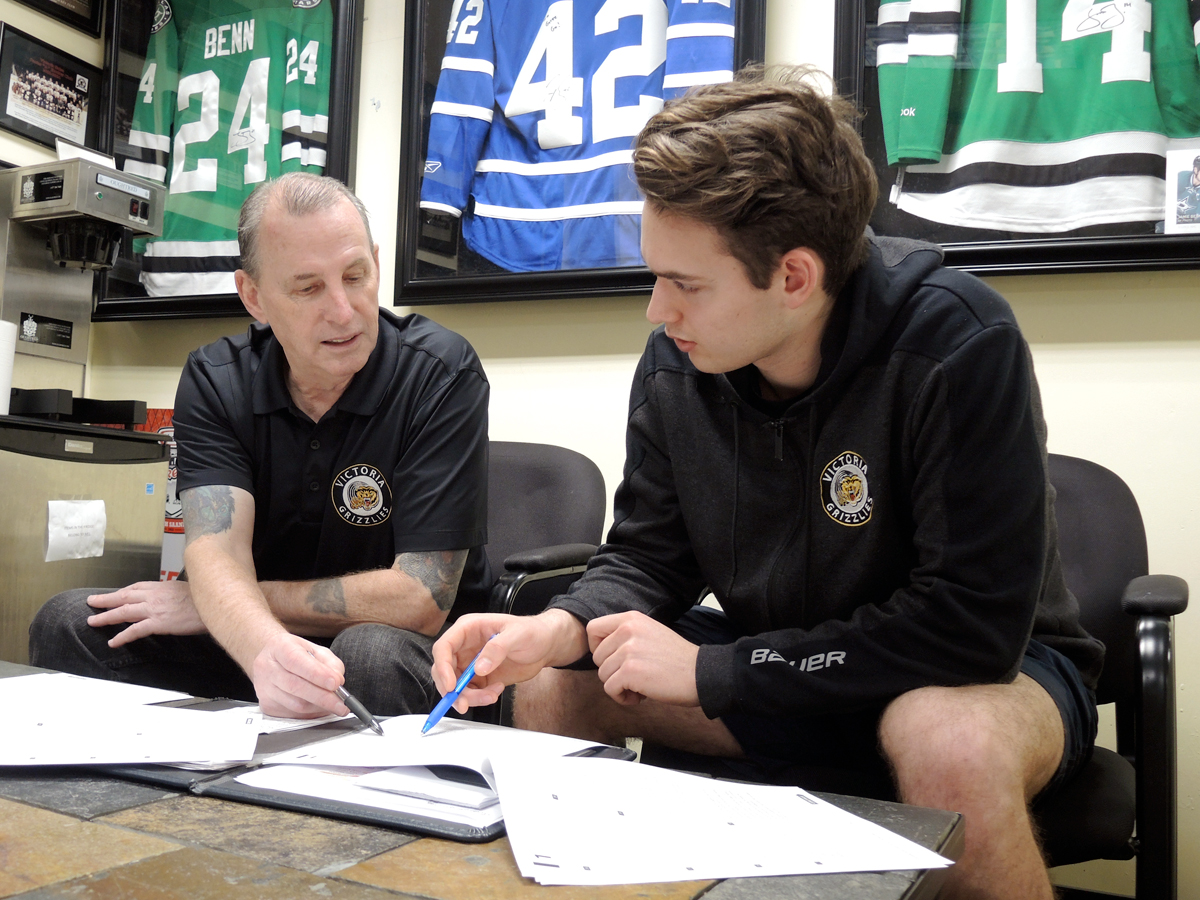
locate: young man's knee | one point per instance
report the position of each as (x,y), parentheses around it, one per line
(946,731)
(561,701)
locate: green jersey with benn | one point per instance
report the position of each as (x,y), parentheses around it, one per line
(233,92)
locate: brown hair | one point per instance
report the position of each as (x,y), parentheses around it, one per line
(771,163)
(300,194)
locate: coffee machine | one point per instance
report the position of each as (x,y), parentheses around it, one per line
(59,223)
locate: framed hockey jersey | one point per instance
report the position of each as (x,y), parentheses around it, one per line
(520,184)
(1031,135)
(214,97)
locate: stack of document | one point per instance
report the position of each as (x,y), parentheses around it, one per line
(407,772)
(599,821)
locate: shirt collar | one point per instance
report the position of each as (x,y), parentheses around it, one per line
(362,397)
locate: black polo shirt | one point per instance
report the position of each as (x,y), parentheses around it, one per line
(397,465)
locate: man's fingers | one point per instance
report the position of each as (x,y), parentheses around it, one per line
(328,658)
(479,696)
(109,600)
(127,613)
(128,635)
(311,664)
(495,652)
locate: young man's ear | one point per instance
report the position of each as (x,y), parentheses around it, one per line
(248,291)
(803,274)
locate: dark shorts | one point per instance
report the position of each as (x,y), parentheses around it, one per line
(849,742)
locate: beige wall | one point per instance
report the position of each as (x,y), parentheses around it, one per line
(1117,355)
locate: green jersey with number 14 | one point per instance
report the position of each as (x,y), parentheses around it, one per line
(233,92)
(1037,115)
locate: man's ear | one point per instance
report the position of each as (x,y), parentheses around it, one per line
(248,291)
(803,273)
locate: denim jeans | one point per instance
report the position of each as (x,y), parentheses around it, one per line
(387,668)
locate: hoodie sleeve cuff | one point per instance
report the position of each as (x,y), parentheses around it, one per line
(714,679)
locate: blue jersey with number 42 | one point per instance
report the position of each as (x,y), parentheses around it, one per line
(535,114)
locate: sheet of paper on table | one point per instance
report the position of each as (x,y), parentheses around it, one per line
(452,742)
(599,821)
(276,724)
(123,735)
(340,785)
(57,690)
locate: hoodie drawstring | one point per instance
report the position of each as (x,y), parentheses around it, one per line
(733,522)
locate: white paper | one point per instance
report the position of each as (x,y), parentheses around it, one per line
(602,821)
(274,724)
(452,742)
(425,784)
(340,785)
(62,693)
(75,529)
(123,735)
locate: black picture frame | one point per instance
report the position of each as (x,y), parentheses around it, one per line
(414,282)
(112,298)
(82,14)
(1136,246)
(47,93)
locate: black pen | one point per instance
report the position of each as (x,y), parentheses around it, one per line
(355,706)
(359,710)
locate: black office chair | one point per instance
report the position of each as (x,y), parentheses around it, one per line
(1103,547)
(545,519)
(1102,543)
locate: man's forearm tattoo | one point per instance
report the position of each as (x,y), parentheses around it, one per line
(206,510)
(438,570)
(328,597)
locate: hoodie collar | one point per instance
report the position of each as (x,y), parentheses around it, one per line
(861,315)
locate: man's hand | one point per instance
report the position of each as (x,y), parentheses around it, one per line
(640,658)
(297,679)
(522,647)
(153,607)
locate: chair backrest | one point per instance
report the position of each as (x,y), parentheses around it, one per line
(540,495)
(1102,543)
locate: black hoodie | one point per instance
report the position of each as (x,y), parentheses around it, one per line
(891,528)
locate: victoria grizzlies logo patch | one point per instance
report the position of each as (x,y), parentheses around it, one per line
(162,15)
(845,492)
(361,496)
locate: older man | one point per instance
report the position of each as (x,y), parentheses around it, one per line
(332,471)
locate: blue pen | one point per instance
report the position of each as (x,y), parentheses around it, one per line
(446,702)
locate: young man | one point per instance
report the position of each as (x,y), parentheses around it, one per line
(843,442)
(333,476)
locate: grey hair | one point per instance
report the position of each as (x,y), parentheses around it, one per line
(300,194)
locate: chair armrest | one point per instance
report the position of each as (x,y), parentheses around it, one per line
(1154,599)
(543,558)
(1155,595)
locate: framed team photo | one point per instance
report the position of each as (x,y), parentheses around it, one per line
(211,98)
(519,185)
(82,14)
(1030,135)
(47,93)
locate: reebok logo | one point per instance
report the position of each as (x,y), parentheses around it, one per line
(810,664)
(908,111)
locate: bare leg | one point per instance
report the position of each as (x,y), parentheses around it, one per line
(563,701)
(984,751)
